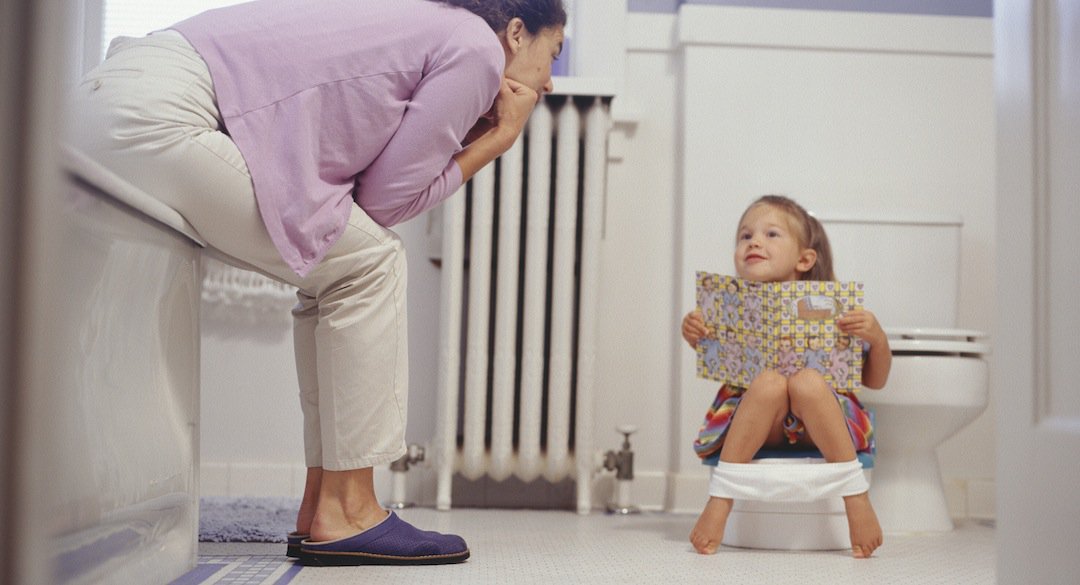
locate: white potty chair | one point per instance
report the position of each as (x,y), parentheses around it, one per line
(790,500)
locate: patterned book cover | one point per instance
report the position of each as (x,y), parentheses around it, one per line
(782,326)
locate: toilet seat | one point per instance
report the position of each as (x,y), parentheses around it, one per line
(925,341)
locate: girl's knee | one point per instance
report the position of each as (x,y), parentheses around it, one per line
(768,387)
(808,384)
(807,377)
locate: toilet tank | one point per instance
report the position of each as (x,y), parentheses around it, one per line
(909,263)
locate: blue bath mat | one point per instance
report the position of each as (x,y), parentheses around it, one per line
(224,519)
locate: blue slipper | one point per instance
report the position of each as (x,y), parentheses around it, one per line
(294,539)
(390,542)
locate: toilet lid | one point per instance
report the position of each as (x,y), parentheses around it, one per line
(937,341)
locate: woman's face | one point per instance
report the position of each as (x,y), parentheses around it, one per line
(529,57)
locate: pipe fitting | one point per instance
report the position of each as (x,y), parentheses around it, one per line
(622,463)
(413,455)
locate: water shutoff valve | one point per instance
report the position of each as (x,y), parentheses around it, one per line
(622,463)
(414,455)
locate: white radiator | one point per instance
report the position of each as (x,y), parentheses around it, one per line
(518,306)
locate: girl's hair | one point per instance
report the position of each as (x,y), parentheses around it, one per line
(808,231)
(536,14)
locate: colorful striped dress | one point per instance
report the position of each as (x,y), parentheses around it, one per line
(710,438)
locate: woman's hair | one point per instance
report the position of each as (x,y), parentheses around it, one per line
(536,14)
(808,231)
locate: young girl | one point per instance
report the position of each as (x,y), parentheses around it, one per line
(779,241)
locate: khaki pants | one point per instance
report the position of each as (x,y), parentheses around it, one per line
(148,114)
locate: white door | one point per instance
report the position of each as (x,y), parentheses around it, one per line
(1036,363)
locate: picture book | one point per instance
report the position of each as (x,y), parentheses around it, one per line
(782,326)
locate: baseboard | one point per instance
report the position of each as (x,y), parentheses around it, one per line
(688,492)
(679,493)
(278,480)
(971,498)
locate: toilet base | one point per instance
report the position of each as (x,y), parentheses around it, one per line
(908,494)
(818,525)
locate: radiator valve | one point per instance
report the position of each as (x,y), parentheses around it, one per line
(398,468)
(622,463)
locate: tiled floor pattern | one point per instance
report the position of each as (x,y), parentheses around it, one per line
(554,547)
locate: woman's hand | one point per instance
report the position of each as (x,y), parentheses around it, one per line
(511,110)
(693,327)
(513,106)
(495,132)
(515,100)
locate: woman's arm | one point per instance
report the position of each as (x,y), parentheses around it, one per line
(415,170)
(513,106)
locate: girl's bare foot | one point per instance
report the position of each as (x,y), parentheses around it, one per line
(863,525)
(709,530)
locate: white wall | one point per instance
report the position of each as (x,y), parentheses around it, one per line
(926,143)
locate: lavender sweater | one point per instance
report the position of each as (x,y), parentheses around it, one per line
(336,101)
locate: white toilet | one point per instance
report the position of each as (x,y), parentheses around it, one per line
(910,266)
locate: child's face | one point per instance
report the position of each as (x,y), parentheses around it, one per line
(767,249)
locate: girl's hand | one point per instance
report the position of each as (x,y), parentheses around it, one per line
(862,324)
(693,327)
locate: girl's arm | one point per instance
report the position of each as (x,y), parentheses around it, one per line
(864,325)
(693,327)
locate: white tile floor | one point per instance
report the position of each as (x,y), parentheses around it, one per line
(555,547)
